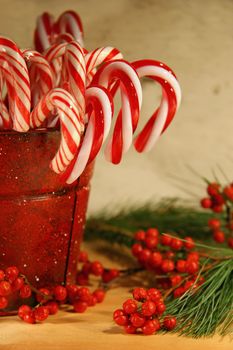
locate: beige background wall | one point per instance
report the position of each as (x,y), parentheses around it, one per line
(193,37)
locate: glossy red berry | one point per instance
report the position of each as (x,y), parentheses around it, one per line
(228,191)
(41,313)
(17,284)
(82,279)
(166,240)
(149,327)
(160,308)
(155,259)
(189,243)
(5,288)
(214,224)
(175,280)
(24,310)
(60,293)
(178,292)
(193,256)
(139,294)
(84,294)
(11,273)
(213,189)
(52,307)
(206,203)
(152,232)
(167,265)
(99,294)
(120,317)
(96,268)
(144,256)
(3,302)
(156,324)
(140,235)
(219,236)
(181,265)
(154,294)
(192,266)
(41,298)
(169,323)
(136,249)
(148,308)
(217,208)
(25,291)
(130,306)
(29,318)
(176,244)
(110,275)
(2,275)
(80,306)
(130,329)
(73,292)
(83,257)
(137,320)
(151,242)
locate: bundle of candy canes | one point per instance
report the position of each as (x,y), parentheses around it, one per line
(62,85)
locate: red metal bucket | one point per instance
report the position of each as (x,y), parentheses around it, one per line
(41,218)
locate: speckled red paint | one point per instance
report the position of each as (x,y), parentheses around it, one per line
(41,217)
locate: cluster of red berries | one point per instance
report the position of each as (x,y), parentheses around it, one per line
(220,199)
(144,313)
(94,268)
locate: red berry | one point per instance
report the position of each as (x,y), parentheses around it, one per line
(194,256)
(140,235)
(83,256)
(97,268)
(213,189)
(25,291)
(144,256)
(152,232)
(12,273)
(2,275)
(217,208)
(130,306)
(24,310)
(214,224)
(42,298)
(206,203)
(218,199)
(5,288)
(149,327)
(86,268)
(29,318)
(219,236)
(166,240)
(189,243)
(3,302)
(151,242)
(82,279)
(155,259)
(178,292)
(175,280)
(72,291)
(156,324)
(84,294)
(110,275)
(99,294)
(169,254)
(176,244)
(192,267)
(137,320)
(148,308)
(130,329)
(167,265)
(60,293)
(92,301)
(189,285)
(52,306)
(228,191)
(160,308)
(230,242)
(80,306)
(169,322)
(181,265)
(17,284)
(154,294)
(139,294)
(41,313)
(136,249)
(120,318)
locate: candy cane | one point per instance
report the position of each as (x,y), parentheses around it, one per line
(70,22)
(15,73)
(40,73)
(171,98)
(44,32)
(5,120)
(96,132)
(73,77)
(131,97)
(99,56)
(61,102)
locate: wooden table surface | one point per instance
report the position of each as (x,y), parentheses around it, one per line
(95,329)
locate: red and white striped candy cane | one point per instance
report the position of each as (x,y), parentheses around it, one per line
(70,22)
(100,107)
(41,78)
(73,74)
(131,97)
(71,123)
(170,102)
(5,120)
(44,32)
(99,56)
(15,73)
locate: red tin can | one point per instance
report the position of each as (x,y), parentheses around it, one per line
(41,217)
